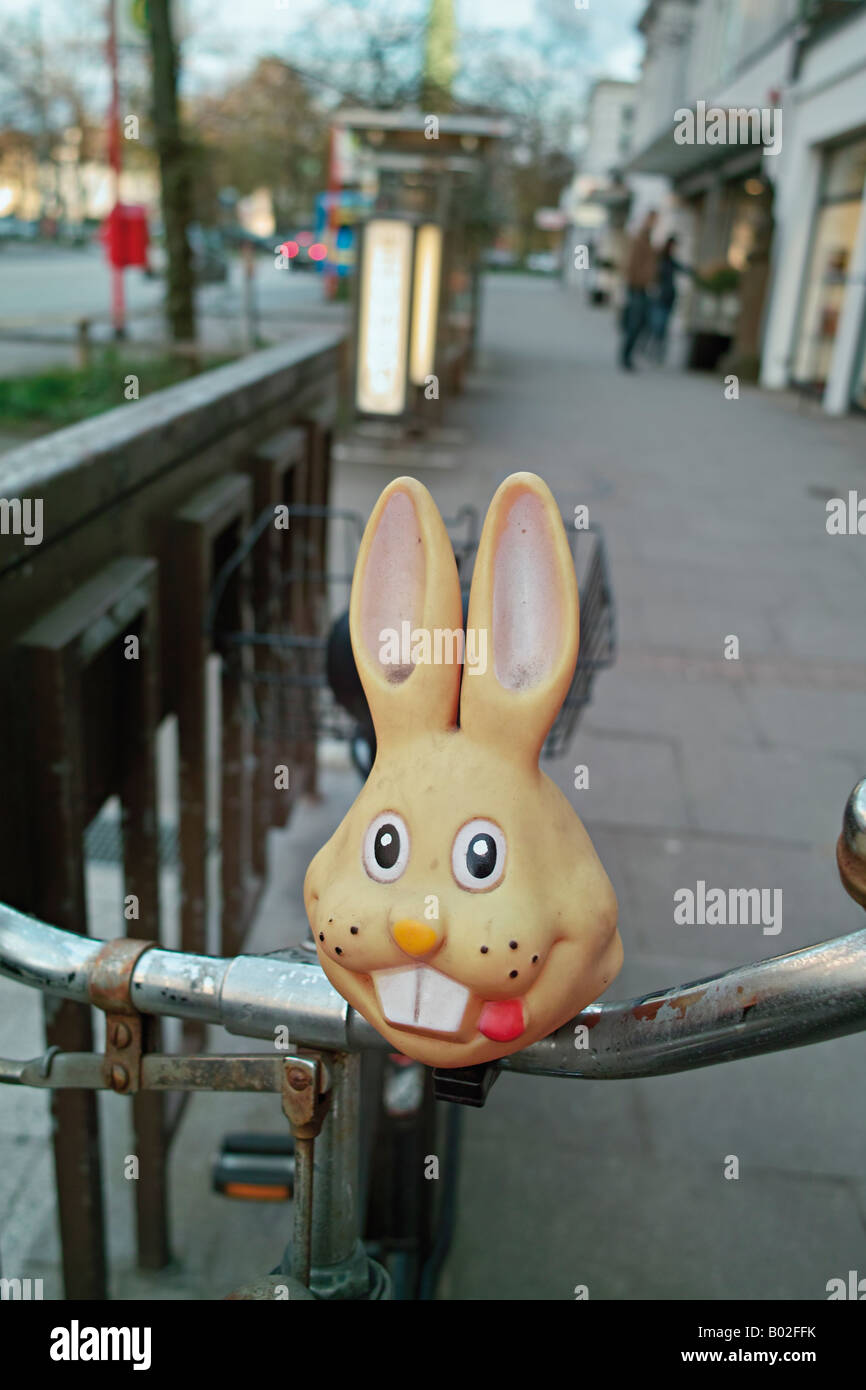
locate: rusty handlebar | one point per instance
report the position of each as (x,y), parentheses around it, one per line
(791,1000)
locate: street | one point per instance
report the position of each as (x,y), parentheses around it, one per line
(729,771)
(44,292)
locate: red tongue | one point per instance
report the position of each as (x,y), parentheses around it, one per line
(502,1020)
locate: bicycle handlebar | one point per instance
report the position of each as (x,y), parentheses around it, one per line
(788,1001)
(247,995)
(804,997)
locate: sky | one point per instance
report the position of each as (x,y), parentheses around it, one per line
(225,36)
(254,26)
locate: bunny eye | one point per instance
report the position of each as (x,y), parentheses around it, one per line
(478,856)
(386,847)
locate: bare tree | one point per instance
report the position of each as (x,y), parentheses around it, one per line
(42,97)
(176,174)
(363,51)
(265,131)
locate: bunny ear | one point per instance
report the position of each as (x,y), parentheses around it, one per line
(524,596)
(405,586)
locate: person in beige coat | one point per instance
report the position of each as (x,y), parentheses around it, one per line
(640,275)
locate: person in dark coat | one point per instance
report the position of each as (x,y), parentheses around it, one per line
(664,297)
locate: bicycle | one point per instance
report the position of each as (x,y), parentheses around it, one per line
(787,1001)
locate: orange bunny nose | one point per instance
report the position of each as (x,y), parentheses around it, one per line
(416,938)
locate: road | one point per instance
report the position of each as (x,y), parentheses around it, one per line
(46,290)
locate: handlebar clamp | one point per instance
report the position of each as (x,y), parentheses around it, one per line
(109,990)
(464,1085)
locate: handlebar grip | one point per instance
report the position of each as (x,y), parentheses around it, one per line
(851,846)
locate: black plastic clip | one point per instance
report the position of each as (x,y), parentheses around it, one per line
(464,1085)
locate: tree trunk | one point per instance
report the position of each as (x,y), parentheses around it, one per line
(175,173)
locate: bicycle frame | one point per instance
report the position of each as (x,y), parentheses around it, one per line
(805,996)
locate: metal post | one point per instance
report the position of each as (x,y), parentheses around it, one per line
(327,1254)
(339,1265)
(302,1201)
(83,343)
(118,306)
(248,265)
(331,219)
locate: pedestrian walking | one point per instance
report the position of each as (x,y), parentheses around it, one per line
(664,297)
(640,276)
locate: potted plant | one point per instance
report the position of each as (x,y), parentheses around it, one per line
(715,310)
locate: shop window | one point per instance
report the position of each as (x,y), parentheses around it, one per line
(845,173)
(835,236)
(858,395)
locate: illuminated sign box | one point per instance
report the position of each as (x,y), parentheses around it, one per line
(425,303)
(383,317)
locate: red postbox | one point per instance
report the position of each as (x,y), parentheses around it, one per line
(125,236)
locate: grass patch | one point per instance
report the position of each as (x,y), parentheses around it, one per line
(64,395)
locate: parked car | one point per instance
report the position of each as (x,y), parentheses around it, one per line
(209,260)
(16,229)
(303,251)
(236,238)
(495,258)
(543,263)
(72,233)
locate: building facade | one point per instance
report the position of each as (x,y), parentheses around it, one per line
(596,202)
(609,122)
(768,206)
(706,56)
(815,328)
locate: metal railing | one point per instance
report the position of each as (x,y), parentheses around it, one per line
(104,635)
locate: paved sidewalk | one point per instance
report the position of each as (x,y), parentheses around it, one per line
(734,772)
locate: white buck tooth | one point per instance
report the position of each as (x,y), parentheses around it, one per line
(441,1001)
(420,997)
(396,992)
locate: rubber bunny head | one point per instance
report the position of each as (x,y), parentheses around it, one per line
(460,906)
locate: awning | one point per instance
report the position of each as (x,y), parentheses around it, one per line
(665,156)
